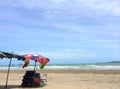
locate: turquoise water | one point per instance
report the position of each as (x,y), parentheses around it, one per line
(81,66)
(86,66)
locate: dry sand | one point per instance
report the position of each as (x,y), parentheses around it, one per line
(59,79)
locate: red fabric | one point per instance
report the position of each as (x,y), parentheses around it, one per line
(37,80)
(26,63)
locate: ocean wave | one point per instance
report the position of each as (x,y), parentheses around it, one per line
(67,67)
(85,67)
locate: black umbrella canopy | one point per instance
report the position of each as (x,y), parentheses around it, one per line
(2,55)
(11,55)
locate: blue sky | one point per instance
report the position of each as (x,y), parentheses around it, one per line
(66,31)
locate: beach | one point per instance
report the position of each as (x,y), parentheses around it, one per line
(66,79)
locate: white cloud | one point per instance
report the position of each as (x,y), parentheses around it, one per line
(103,7)
(69,7)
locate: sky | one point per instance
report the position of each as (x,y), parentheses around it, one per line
(65,31)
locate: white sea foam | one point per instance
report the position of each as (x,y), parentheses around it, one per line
(87,67)
(67,67)
(18,68)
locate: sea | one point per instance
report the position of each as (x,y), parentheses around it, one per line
(80,66)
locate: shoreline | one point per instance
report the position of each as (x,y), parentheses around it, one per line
(68,71)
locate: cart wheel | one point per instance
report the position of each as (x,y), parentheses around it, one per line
(42,83)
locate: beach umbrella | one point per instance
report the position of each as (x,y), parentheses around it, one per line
(37,58)
(27,57)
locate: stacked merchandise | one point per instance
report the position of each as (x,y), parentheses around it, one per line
(32,79)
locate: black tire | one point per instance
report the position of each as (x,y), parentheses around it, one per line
(37,75)
(24,85)
(28,80)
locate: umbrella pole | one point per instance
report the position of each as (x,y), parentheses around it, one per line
(35,65)
(8,73)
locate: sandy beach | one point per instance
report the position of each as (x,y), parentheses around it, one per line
(67,79)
